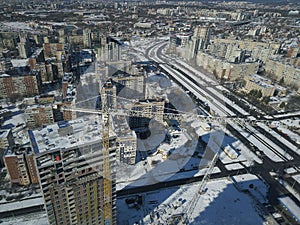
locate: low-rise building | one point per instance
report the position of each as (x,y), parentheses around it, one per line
(256,82)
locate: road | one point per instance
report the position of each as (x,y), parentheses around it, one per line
(205,89)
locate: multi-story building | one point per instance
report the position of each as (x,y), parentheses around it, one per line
(126,141)
(20,166)
(50,49)
(38,115)
(256,82)
(288,73)
(87,38)
(110,49)
(144,110)
(202,34)
(259,50)
(22,85)
(222,69)
(24,47)
(76,173)
(6,138)
(6,141)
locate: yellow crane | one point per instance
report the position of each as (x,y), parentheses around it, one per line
(106,114)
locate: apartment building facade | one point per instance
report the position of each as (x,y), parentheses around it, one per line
(23,85)
(20,165)
(71,173)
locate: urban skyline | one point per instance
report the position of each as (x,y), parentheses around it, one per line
(153,112)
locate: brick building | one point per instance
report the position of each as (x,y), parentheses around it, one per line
(20,166)
(20,85)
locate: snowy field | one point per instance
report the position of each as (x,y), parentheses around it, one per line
(221,204)
(37,218)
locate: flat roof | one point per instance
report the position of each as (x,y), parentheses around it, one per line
(81,131)
(20,62)
(4,133)
(291,206)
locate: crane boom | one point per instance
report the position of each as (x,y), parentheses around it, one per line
(177,116)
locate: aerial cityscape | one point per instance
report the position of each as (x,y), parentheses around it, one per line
(150,112)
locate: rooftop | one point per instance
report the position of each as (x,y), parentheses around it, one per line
(20,62)
(4,133)
(122,128)
(66,134)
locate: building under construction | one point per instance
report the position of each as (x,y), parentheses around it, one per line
(76,174)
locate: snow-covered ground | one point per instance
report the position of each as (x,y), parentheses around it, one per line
(222,203)
(228,101)
(17,26)
(38,218)
(269,153)
(280,138)
(286,126)
(21,204)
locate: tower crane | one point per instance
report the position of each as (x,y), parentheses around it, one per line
(106,114)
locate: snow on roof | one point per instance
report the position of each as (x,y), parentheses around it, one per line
(4,75)
(251,183)
(291,206)
(234,166)
(297,178)
(80,131)
(222,203)
(290,170)
(20,62)
(4,133)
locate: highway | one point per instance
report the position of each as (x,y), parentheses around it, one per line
(277,154)
(220,105)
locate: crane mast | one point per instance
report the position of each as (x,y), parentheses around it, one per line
(106,167)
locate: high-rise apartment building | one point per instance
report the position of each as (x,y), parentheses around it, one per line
(126,141)
(20,165)
(6,140)
(201,38)
(143,110)
(39,115)
(24,47)
(87,38)
(76,174)
(110,49)
(22,85)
